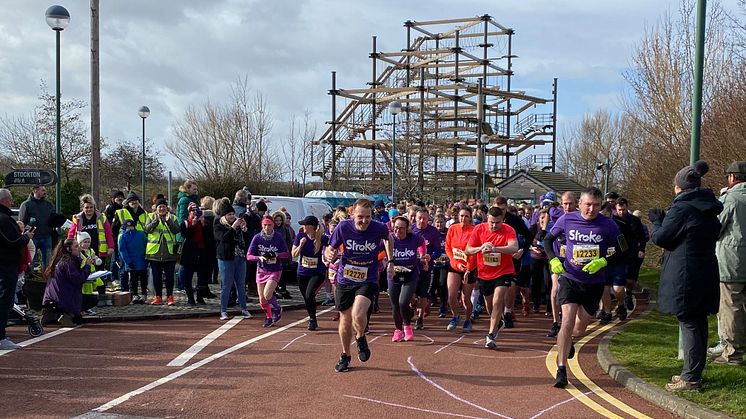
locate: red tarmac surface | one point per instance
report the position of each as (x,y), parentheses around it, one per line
(89,369)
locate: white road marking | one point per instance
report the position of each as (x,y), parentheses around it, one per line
(432,341)
(377,337)
(32,341)
(185,356)
(292,341)
(443,347)
(176,374)
(441,388)
(556,405)
(412,407)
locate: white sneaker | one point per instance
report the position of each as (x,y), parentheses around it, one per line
(7,344)
(246,314)
(716,350)
(224,315)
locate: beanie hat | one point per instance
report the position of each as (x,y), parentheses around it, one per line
(690,177)
(161,201)
(393,212)
(550,196)
(225,208)
(378,203)
(128,223)
(192,206)
(132,196)
(261,206)
(117,194)
(83,236)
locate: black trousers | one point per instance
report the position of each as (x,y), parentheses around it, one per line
(694,339)
(8,281)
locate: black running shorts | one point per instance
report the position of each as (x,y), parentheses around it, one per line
(574,292)
(345,294)
(472,275)
(423,284)
(488,286)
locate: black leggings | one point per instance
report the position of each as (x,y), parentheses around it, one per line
(309,285)
(539,280)
(135,278)
(400,295)
(440,285)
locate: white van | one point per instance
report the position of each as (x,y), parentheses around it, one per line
(298,208)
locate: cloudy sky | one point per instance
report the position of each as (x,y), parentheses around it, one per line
(170,54)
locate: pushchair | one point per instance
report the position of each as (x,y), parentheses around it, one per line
(34,326)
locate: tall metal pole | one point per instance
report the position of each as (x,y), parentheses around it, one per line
(393,162)
(607,169)
(142,178)
(554,125)
(95,106)
(699,59)
(58,160)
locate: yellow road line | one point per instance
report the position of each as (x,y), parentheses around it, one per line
(551,362)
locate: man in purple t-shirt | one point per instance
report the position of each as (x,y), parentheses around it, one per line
(588,236)
(432,240)
(357,276)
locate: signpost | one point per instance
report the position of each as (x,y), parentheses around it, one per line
(30,177)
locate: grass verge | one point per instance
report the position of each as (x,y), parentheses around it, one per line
(648,348)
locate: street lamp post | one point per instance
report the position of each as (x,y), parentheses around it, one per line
(58,18)
(394,108)
(606,167)
(484,139)
(144,112)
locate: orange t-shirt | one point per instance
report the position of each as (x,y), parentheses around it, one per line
(456,240)
(492,265)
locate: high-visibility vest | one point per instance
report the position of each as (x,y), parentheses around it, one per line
(102,246)
(154,239)
(124,215)
(89,286)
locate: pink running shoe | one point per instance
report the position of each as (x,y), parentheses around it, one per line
(408,333)
(398,336)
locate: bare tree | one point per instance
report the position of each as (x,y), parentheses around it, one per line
(121,167)
(307,137)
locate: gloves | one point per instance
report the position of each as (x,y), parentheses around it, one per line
(556,266)
(595,265)
(656,214)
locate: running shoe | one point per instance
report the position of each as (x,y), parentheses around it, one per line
(363,352)
(398,335)
(621,312)
(561,378)
(246,314)
(224,315)
(343,364)
(328,301)
(267,322)
(170,300)
(716,350)
(553,330)
(7,344)
(474,315)
(629,302)
(683,385)
(604,319)
(571,354)
(408,333)
(453,323)
(376,307)
(599,314)
(312,325)
(419,324)
(276,313)
(467,326)
(442,312)
(489,342)
(508,319)
(156,301)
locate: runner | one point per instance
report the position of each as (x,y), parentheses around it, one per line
(494,243)
(357,275)
(307,246)
(569,204)
(431,235)
(582,274)
(268,248)
(440,267)
(404,276)
(460,279)
(636,242)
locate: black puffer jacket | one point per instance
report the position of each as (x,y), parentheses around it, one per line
(689,283)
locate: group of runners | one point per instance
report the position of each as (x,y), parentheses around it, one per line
(482,259)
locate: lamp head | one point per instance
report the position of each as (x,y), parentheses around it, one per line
(395,107)
(57,17)
(144,112)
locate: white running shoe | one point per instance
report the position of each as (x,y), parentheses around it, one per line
(224,315)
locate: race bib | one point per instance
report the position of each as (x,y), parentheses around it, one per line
(355,273)
(584,253)
(331,274)
(309,262)
(491,259)
(563,251)
(459,254)
(271,261)
(610,251)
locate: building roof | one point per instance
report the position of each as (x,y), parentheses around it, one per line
(551,181)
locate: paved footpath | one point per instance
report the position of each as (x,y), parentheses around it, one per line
(200,367)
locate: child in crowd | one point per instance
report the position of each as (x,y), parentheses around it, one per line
(132,253)
(90,299)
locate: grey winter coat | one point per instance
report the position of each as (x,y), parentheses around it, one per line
(731,246)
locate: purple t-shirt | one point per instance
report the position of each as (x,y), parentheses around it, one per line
(405,254)
(309,263)
(359,259)
(585,241)
(261,246)
(432,239)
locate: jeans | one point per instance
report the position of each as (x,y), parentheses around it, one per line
(158,269)
(309,285)
(43,246)
(232,272)
(8,280)
(694,342)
